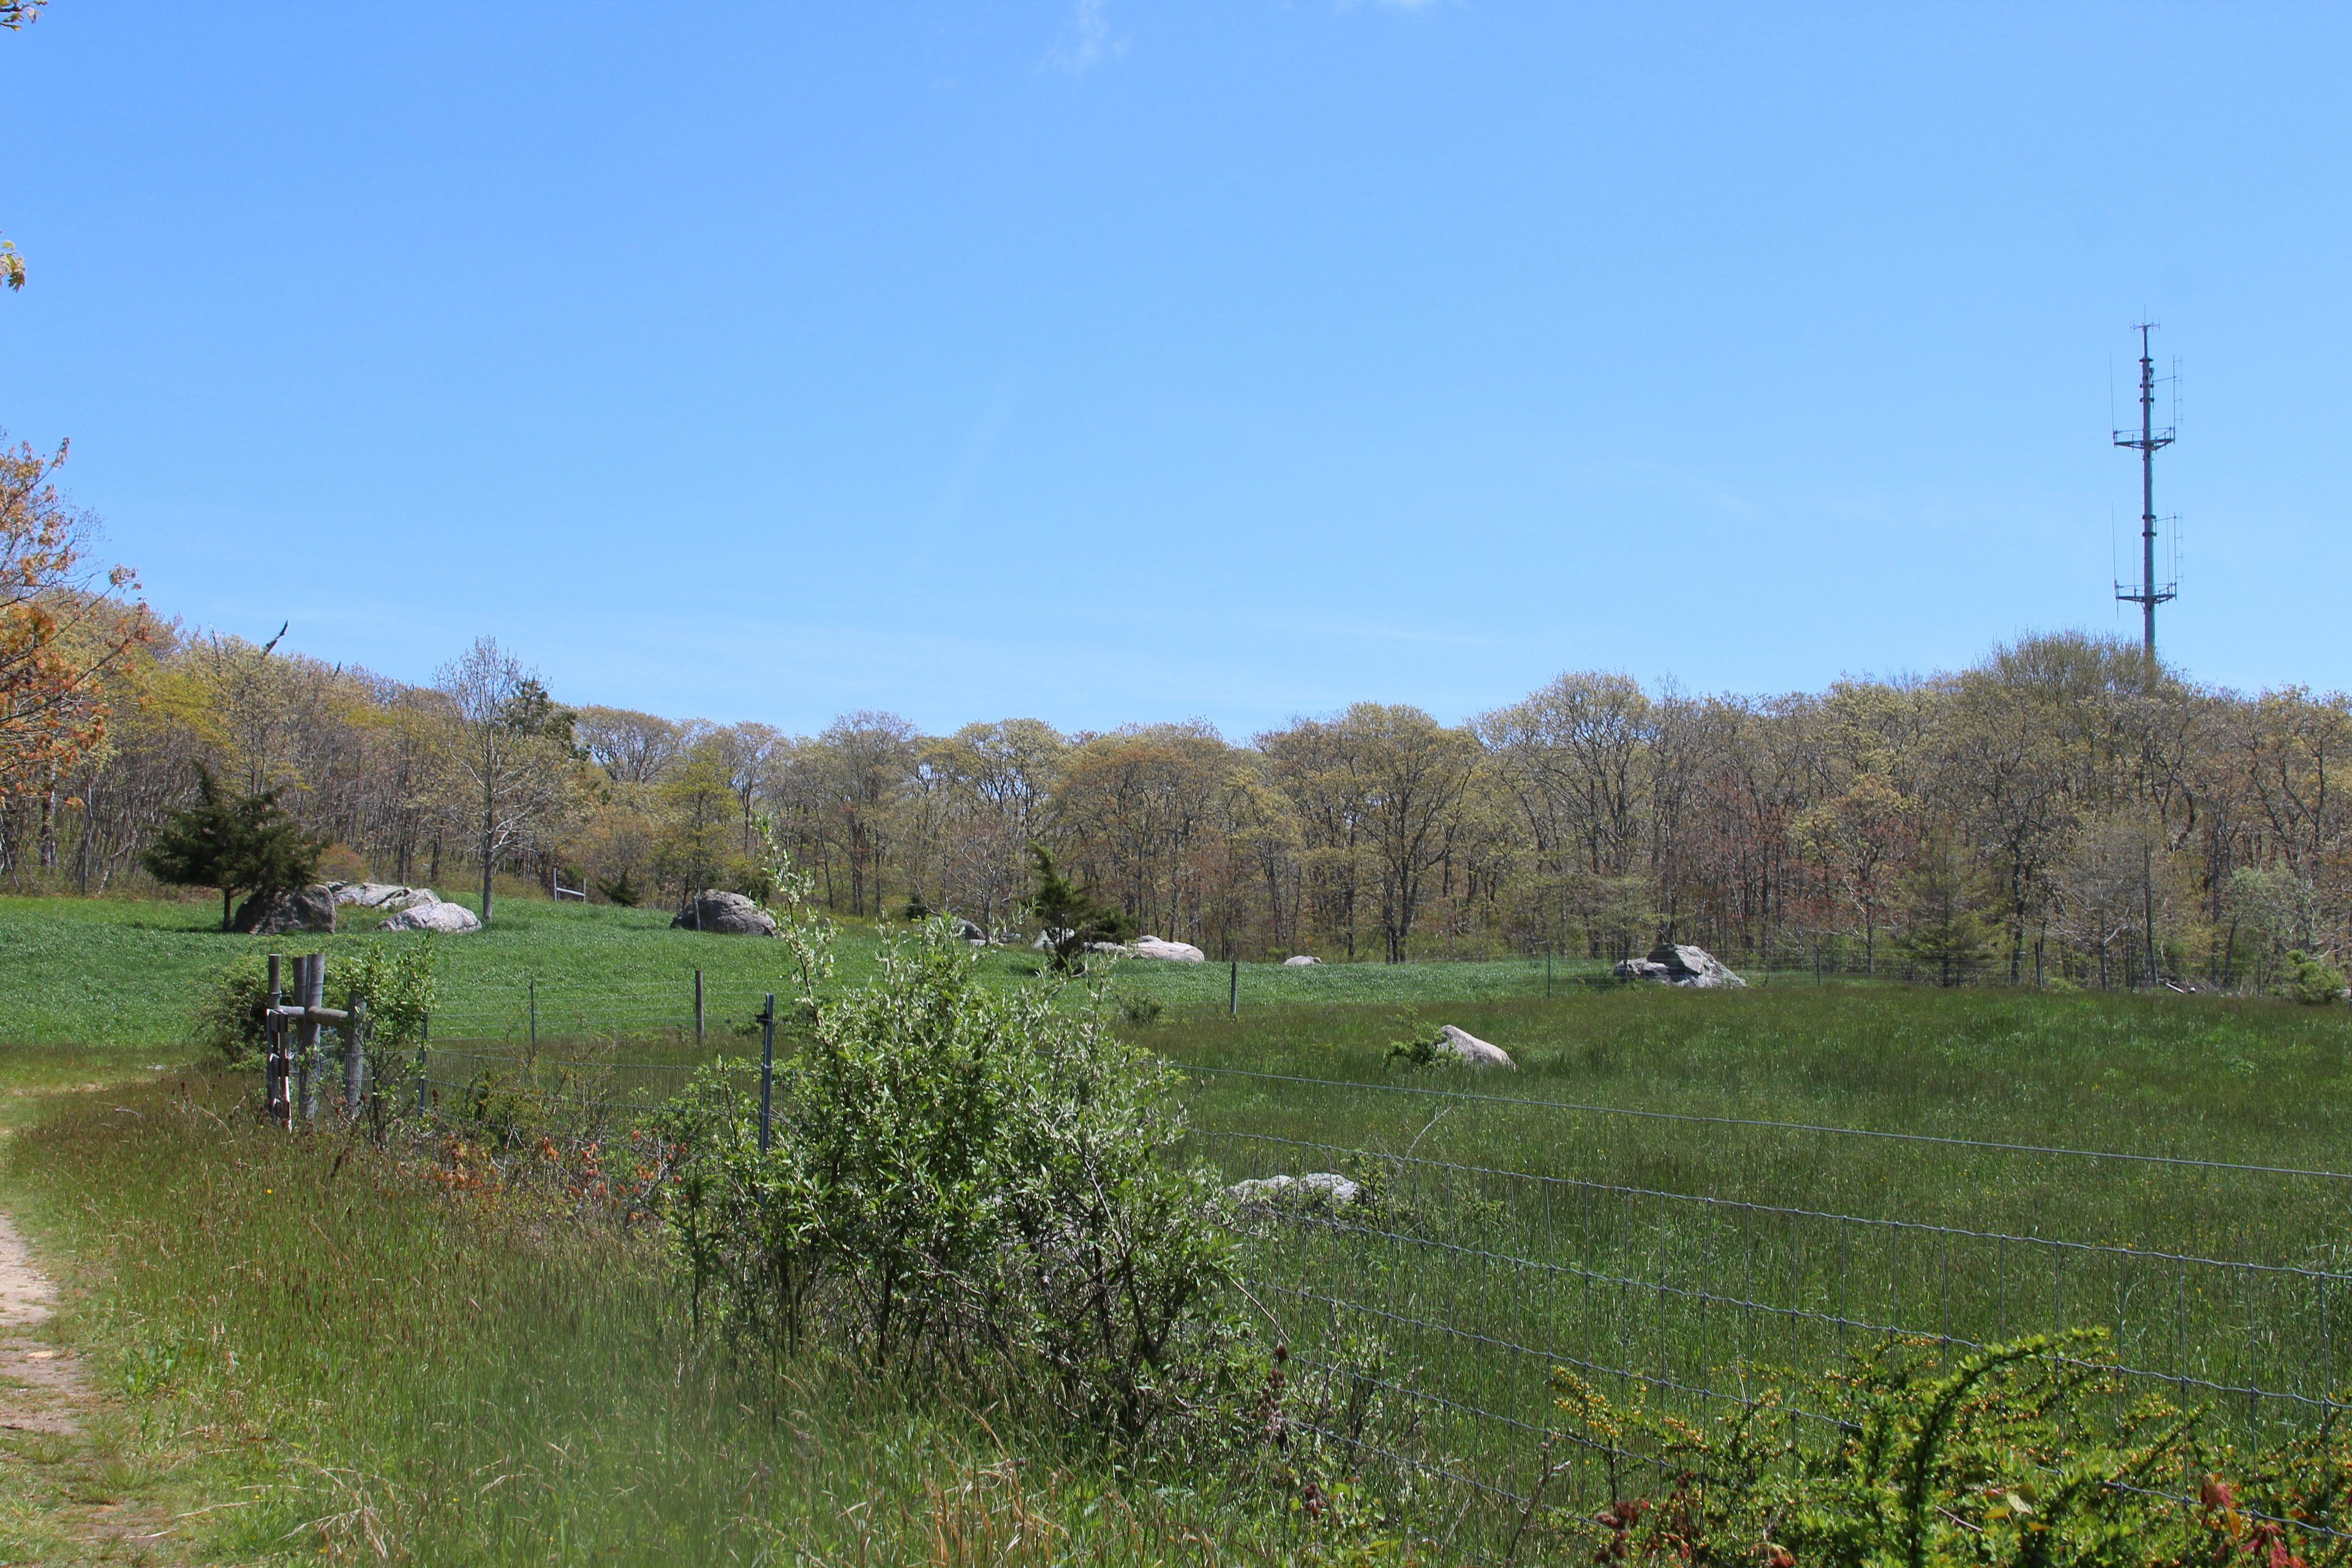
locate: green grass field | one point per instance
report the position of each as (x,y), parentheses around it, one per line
(126,973)
(328,1347)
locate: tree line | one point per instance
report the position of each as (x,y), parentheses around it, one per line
(2063,810)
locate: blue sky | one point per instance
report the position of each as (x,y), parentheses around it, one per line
(1113,362)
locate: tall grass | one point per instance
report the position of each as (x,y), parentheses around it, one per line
(1522,1221)
(353,1362)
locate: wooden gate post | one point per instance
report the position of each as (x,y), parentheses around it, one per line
(356,1074)
(312,989)
(273,1045)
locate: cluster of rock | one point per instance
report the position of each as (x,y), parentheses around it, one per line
(716,912)
(436,915)
(1679,964)
(1141,947)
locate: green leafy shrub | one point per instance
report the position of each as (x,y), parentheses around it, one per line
(1922,1455)
(2311,980)
(229,1022)
(963,1182)
(396,981)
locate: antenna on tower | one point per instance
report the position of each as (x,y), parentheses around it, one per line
(2148,441)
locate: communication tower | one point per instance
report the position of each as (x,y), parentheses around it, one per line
(2148,441)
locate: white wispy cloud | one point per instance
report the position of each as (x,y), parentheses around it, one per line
(1087,42)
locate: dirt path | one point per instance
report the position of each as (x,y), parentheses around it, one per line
(41,1388)
(57,1501)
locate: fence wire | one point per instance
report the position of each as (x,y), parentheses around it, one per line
(1430,1313)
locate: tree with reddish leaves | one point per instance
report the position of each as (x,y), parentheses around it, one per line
(62,626)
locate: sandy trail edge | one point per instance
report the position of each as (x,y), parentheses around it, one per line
(41,1387)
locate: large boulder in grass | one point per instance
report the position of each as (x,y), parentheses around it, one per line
(389,896)
(1175,952)
(1300,961)
(451,919)
(278,911)
(1681,963)
(724,914)
(1471,1051)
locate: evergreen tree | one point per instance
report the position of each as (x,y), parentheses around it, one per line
(235,843)
(1072,916)
(1943,934)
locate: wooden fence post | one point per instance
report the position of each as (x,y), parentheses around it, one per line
(355,1073)
(273,1048)
(424,1044)
(767,1070)
(698,1006)
(311,989)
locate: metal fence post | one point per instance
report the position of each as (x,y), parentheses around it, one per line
(698,1006)
(424,1044)
(1233,993)
(534,1014)
(767,1069)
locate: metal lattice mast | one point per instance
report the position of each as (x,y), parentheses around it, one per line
(2147,595)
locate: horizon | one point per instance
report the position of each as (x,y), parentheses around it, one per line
(1237,363)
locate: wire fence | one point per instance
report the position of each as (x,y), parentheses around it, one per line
(1431,1304)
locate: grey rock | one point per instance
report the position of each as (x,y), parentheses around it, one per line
(971,932)
(1299,960)
(720,913)
(381,895)
(284,910)
(1175,952)
(1472,1051)
(1314,1190)
(451,919)
(1681,963)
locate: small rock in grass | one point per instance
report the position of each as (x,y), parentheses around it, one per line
(1316,1190)
(1472,1051)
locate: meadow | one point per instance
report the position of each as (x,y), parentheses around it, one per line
(1673,1196)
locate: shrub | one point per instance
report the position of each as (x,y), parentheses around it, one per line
(2311,980)
(1918,1455)
(962,1180)
(229,1022)
(396,982)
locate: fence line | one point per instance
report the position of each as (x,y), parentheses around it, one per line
(1451,1290)
(1469,1096)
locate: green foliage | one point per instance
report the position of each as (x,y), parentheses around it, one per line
(228,1022)
(1072,918)
(1416,1041)
(235,843)
(400,989)
(397,982)
(620,890)
(962,1180)
(1917,1455)
(2311,980)
(1944,935)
